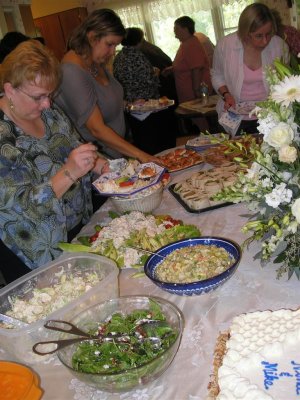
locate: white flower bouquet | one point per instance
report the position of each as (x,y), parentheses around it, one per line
(271,186)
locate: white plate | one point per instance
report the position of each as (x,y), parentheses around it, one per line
(107,186)
(150,105)
(243,108)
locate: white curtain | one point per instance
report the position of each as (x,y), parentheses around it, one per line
(132,13)
(173,8)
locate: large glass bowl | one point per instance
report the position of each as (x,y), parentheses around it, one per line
(130,378)
(198,287)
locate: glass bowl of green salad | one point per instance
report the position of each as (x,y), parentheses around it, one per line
(139,337)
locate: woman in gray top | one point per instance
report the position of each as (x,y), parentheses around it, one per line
(89,94)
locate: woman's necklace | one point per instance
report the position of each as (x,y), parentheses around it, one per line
(93,70)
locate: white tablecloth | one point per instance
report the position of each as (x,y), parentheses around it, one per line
(251,288)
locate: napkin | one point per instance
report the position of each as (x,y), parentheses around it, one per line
(141,116)
(230,122)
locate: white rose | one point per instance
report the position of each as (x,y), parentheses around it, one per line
(296,210)
(253,171)
(293,226)
(280,135)
(286,176)
(287,154)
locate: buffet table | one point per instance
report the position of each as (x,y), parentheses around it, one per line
(251,288)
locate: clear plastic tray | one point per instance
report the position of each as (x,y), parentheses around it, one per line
(19,341)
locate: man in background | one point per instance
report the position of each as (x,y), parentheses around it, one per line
(207,44)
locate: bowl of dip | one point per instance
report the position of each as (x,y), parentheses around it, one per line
(193,266)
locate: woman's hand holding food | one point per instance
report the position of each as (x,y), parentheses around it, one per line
(145,158)
(229,101)
(81,160)
(101,166)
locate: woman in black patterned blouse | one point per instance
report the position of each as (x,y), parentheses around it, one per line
(140,81)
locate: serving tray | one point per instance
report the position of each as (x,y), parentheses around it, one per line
(151,105)
(180,159)
(191,210)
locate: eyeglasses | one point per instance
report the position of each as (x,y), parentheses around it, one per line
(261,36)
(38,99)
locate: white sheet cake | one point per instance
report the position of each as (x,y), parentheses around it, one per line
(259,358)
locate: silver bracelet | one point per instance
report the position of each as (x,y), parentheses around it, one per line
(68,175)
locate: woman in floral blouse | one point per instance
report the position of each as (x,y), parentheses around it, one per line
(45,172)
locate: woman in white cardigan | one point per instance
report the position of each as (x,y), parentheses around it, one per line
(240,58)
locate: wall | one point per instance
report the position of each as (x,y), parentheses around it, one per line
(10,15)
(40,8)
(284,10)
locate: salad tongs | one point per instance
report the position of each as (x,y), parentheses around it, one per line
(44,348)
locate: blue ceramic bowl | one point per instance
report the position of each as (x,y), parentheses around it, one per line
(199,287)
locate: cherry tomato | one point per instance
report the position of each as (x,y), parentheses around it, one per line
(94,237)
(126,183)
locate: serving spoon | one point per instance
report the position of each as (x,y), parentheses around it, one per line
(179,256)
(17,323)
(146,251)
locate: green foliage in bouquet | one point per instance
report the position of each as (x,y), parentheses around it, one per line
(271,186)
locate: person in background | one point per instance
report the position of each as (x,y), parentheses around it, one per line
(45,171)
(9,42)
(159,60)
(154,54)
(88,93)
(157,132)
(133,70)
(41,40)
(239,61)
(190,66)
(289,34)
(207,44)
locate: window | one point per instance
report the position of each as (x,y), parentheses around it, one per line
(163,31)
(214,23)
(230,15)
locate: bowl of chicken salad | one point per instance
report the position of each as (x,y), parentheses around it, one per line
(193,266)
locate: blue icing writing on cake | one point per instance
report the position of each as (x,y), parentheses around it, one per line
(271,374)
(259,359)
